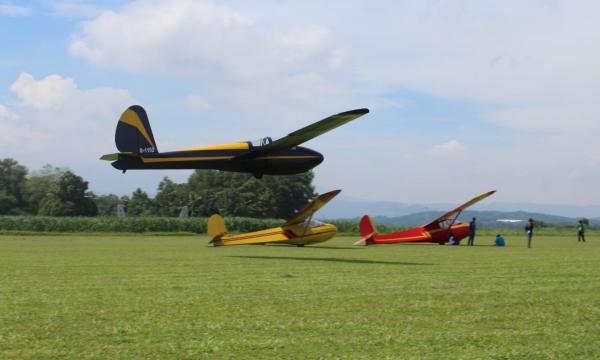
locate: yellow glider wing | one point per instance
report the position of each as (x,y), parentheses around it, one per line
(306,133)
(311,208)
(453,214)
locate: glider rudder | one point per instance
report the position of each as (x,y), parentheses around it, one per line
(134,134)
(216,229)
(367,230)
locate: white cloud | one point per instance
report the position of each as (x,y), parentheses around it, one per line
(6,114)
(58,122)
(197,102)
(13,10)
(527,69)
(206,42)
(448,148)
(50,92)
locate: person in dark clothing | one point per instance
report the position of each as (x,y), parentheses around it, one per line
(529,230)
(580,231)
(472,230)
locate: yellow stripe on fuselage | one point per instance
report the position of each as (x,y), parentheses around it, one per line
(210,158)
(130,117)
(232,146)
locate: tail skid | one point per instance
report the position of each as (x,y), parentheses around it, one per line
(367,231)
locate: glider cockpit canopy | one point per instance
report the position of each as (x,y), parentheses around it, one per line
(261,142)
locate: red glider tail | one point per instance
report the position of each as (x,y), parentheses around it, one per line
(367,231)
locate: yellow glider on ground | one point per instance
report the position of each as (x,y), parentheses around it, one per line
(299,230)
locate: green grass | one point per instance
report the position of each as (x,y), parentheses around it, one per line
(147,297)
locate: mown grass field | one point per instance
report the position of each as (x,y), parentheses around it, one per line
(154,297)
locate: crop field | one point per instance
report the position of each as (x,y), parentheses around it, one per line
(154,297)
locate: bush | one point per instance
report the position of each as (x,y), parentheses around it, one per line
(102,224)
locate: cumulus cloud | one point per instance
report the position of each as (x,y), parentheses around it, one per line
(6,114)
(204,41)
(527,71)
(13,10)
(448,148)
(50,92)
(57,121)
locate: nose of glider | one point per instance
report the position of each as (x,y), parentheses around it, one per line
(314,158)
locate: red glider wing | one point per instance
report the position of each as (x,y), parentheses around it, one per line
(449,218)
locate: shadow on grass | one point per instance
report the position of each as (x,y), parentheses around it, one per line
(328,259)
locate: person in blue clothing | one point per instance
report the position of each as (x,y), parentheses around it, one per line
(472,230)
(500,240)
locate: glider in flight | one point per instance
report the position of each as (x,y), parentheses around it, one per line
(299,230)
(137,149)
(437,231)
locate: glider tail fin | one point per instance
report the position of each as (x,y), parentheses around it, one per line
(367,231)
(134,134)
(216,229)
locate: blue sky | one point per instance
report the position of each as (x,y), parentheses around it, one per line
(464,96)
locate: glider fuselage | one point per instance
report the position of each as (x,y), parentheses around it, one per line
(423,234)
(290,235)
(226,157)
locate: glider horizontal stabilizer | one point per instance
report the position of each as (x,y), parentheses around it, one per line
(116,156)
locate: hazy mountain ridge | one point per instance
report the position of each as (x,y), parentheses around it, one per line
(344,208)
(484,218)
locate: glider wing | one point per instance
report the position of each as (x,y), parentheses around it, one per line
(450,217)
(306,133)
(311,208)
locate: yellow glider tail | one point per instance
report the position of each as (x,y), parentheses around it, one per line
(216,229)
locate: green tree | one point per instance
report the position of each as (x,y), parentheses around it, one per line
(171,197)
(12,181)
(235,194)
(291,192)
(107,204)
(140,204)
(39,184)
(70,198)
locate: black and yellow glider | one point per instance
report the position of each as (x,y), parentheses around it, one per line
(137,149)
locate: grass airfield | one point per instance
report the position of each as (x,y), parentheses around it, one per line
(155,297)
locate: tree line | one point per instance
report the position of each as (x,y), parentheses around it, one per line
(54,191)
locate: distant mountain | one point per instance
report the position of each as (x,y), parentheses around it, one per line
(484,218)
(344,208)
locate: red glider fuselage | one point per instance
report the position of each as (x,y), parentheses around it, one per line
(432,234)
(437,231)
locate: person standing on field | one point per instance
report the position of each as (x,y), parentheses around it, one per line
(472,230)
(529,230)
(580,231)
